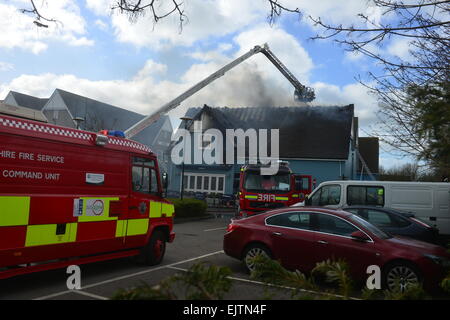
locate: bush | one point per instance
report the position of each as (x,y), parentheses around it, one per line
(188,207)
(200,282)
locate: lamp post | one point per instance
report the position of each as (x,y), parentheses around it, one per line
(185,119)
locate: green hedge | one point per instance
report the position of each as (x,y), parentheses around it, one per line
(188,207)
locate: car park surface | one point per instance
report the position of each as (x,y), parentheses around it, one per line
(196,241)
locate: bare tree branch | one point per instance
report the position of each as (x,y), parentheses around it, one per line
(39,17)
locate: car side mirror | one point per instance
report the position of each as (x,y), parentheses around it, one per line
(359,236)
(165,180)
(165,183)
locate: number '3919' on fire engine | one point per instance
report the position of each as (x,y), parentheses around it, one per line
(69,196)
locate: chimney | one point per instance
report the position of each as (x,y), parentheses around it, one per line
(355,135)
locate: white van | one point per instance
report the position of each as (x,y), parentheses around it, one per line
(429,201)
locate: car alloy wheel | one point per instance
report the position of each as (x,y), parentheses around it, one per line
(401,277)
(251,253)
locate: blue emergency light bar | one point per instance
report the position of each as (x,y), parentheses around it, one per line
(113,133)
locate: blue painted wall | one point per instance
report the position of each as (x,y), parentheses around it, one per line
(321,170)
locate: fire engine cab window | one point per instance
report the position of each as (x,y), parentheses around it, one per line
(302,183)
(143,162)
(143,177)
(260,183)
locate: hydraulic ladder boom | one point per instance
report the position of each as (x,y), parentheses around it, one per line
(301,92)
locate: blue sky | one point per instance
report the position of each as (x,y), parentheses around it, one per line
(140,66)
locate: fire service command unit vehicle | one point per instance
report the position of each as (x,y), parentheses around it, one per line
(71,197)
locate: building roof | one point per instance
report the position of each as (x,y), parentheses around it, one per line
(28,101)
(22,112)
(305,132)
(101,115)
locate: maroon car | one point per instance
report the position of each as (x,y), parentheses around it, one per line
(301,237)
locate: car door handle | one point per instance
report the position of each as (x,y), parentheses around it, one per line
(277,233)
(322,242)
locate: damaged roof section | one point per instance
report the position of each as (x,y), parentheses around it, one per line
(313,132)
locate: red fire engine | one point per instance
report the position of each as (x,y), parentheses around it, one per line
(258,193)
(69,196)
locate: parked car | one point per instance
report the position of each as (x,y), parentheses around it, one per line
(397,222)
(301,237)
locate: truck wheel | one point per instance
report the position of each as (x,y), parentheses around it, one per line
(153,253)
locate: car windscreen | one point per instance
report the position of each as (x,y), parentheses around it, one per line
(256,182)
(370,227)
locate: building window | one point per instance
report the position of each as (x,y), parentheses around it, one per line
(204,182)
(220,184)
(199,182)
(192,182)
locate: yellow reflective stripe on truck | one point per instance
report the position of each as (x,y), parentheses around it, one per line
(158,209)
(155,209)
(121,228)
(44,234)
(14,211)
(168,209)
(137,226)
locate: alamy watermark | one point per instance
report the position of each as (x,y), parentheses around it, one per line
(207,147)
(374,280)
(74,280)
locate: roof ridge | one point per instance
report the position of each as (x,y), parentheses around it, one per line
(94,100)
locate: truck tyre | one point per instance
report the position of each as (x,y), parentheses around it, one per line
(153,253)
(253,250)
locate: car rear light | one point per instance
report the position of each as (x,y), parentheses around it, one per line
(421,223)
(231,227)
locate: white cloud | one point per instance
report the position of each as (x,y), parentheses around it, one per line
(151,68)
(249,84)
(19,31)
(99,7)
(101,25)
(205,18)
(334,11)
(399,47)
(5,66)
(366,104)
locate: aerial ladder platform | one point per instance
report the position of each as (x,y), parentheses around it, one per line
(301,93)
